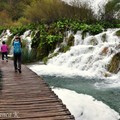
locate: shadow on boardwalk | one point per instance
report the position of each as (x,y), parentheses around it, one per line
(26,96)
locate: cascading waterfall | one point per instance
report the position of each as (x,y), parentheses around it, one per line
(89,56)
(27,37)
(4,36)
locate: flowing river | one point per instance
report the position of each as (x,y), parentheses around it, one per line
(78,76)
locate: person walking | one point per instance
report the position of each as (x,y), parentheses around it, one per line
(4,51)
(17,45)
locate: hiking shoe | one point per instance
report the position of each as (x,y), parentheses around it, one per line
(19,70)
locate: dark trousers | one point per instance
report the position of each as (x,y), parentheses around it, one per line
(17,61)
(4,54)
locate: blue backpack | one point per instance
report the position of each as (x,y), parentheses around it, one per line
(17,47)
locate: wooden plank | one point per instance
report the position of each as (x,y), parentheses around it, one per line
(29,96)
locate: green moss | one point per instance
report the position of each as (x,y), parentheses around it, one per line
(70,40)
(45,59)
(118,33)
(113,67)
(104,37)
(9,41)
(64,48)
(33,33)
(83,34)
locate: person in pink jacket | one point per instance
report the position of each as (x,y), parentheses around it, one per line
(4,51)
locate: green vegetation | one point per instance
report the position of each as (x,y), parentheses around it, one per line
(48,36)
(23,12)
(45,37)
(49,19)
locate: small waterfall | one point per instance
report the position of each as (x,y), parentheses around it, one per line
(27,37)
(4,35)
(89,56)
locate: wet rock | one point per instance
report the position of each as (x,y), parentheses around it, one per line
(104,51)
(114,65)
(118,33)
(65,46)
(93,41)
(70,40)
(103,37)
(118,47)
(107,74)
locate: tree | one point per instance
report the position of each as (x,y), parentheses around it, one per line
(112,10)
(14,8)
(4,19)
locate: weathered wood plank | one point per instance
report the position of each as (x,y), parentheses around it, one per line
(26,96)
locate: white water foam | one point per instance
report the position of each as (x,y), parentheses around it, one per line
(85,107)
(27,37)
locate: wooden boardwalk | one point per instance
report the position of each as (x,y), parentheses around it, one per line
(26,96)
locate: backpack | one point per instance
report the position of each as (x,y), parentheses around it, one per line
(17,47)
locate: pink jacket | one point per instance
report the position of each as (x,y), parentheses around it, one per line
(4,48)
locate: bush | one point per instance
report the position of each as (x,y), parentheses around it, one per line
(28,56)
(52,10)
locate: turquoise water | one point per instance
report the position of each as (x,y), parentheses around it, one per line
(109,96)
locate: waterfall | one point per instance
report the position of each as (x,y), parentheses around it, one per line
(5,35)
(91,54)
(89,57)
(27,37)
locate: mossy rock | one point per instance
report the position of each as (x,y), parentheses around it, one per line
(104,51)
(64,48)
(114,65)
(118,47)
(33,33)
(45,59)
(83,34)
(107,74)
(104,37)
(93,41)
(70,40)
(118,33)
